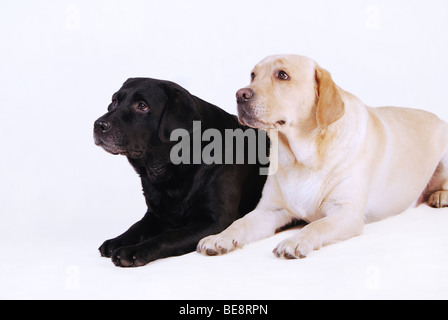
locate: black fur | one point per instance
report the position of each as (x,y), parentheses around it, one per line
(186,202)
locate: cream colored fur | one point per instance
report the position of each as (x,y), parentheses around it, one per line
(341,163)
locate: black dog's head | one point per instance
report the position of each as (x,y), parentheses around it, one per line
(142,115)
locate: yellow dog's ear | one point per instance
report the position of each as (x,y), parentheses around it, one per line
(330,106)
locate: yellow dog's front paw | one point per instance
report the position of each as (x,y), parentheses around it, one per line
(439,199)
(293,248)
(216,245)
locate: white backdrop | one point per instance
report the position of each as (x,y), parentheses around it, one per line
(61,196)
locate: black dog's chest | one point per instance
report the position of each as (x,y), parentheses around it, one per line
(169,200)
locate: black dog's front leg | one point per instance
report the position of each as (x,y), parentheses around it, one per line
(170,243)
(138,232)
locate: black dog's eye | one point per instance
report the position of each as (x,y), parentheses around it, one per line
(252,76)
(112,105)
(141,106)
(282,75)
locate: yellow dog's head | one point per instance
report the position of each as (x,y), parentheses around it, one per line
(289,91)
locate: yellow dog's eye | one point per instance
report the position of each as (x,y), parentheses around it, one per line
(252,76)
(282,75)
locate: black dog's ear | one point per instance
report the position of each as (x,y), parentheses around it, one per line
(179,113)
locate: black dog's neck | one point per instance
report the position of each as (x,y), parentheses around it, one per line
(155,170)
(166,188)
(160,173)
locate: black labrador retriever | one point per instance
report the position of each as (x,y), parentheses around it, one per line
(186,201)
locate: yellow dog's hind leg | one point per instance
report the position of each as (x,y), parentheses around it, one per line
(438,187)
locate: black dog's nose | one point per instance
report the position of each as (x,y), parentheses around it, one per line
(244,95)
(102,126)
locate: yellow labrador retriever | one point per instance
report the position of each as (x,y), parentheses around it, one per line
(341,163)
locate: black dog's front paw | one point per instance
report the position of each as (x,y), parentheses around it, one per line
(109,246)
(130,256)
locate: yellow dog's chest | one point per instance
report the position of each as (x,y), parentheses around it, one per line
(302,193)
